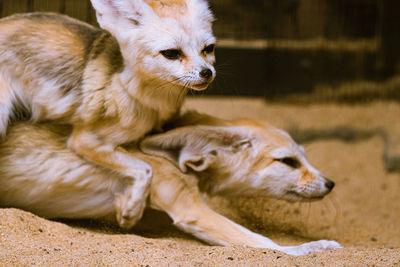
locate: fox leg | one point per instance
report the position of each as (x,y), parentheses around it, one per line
(131,204)
(192,215)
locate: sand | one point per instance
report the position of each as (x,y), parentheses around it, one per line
(362,212)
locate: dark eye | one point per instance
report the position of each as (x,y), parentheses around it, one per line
(172,54)
(291,162)
(209,49)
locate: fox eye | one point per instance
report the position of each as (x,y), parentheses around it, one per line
(172,54)
(209,49)
(291,162)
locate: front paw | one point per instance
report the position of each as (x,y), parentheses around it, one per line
(315,246)
(128,210)
(318,246)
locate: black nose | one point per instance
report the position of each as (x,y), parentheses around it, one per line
(206,73)
(329,184)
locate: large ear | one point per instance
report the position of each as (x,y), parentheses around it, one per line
(109,12)
(195,147)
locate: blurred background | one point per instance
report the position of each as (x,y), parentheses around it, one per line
(293,50)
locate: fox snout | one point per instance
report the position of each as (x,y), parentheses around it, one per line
(314,187)
(329,184)
(206,74)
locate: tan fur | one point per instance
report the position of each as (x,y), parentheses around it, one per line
(168,8)
(173,2)
(38,173)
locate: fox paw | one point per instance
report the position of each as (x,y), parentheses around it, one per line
(129,211)
(131,203)
(315,246)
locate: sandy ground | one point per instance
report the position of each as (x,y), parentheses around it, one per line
(362,213)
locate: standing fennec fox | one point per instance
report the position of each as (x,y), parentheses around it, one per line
(239,158)
(113,85)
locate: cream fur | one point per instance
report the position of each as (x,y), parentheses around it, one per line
(39,174)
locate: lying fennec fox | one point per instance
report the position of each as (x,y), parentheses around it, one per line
(242,158)
(114,84)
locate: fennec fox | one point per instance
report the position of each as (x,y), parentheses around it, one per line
(238,158)
(113,85)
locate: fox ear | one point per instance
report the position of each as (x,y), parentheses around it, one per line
(183,146)
(196,160)
(194,147)
(109,12)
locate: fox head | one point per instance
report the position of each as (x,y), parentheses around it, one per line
(169,41)
(242,158)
